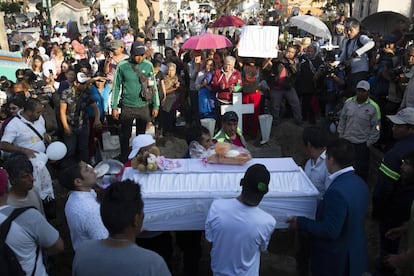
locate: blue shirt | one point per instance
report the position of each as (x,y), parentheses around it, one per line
(101,99)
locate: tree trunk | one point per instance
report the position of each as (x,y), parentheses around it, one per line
(133,14)
(226,7)
(149,22)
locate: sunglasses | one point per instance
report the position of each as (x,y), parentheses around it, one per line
(100,81)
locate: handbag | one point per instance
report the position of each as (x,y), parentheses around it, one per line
(110,142)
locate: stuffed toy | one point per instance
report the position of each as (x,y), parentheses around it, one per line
(146,160)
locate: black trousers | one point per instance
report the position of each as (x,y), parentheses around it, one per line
(190,244)
(126,120)
(361,163)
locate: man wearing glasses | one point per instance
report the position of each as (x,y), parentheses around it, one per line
(354,54)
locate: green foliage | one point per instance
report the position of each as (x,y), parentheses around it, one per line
(10,8)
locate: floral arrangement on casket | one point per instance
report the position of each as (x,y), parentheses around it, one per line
(226,153)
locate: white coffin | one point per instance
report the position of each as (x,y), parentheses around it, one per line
(179,199)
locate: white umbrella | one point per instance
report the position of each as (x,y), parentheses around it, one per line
(312,25)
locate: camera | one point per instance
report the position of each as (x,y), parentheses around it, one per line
(333,116)
(327,69)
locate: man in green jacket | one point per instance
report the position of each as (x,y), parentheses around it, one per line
(127,95)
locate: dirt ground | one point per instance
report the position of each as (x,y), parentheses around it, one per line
(286,140)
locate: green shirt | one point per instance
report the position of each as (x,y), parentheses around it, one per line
(127,87)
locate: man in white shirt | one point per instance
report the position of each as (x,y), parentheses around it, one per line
(28,232)
(315,168)
(27,133)
(82,208)
(238,229)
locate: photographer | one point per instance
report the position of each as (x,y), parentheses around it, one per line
(331,82)
(113,55)
(306,85)
(355,54)
(388,67)
(281,75)
(408,99)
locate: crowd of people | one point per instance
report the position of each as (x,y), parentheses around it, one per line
(112,78)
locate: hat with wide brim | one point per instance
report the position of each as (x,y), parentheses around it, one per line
(142,140)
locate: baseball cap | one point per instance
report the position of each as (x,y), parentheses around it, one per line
(230,116)
(81,77)
(115,44)
(364,85)
(403,117)
(137,49)
(390,38)
(255,184)
(140,35)
(142,140)
(4,181)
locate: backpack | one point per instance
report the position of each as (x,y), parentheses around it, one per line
(9,264)
(147,91)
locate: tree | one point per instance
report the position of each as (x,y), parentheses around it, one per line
(133,14)
(225,7)
(149,22)
(10,8)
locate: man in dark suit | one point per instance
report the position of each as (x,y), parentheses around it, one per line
(338,242)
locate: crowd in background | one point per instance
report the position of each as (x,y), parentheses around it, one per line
(77,81)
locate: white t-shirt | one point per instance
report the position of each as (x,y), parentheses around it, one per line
(19,134)
(27,232)
(83,215)
(238,233)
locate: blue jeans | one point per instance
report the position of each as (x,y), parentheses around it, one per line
(77,145)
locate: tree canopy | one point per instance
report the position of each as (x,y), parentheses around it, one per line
(9,8)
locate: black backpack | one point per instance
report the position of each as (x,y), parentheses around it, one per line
(147,92)
(9,265)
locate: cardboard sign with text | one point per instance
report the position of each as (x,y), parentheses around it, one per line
(258,41)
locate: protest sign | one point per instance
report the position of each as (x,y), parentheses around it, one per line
(258,41)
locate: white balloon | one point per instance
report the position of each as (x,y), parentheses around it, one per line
(56,151)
